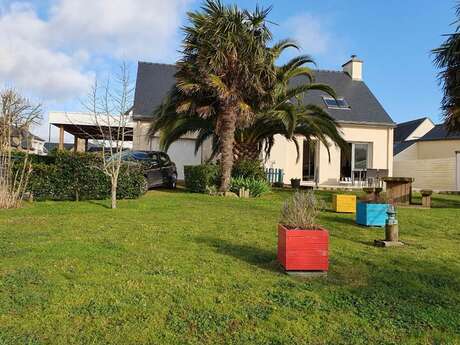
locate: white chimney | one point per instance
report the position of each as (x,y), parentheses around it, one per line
(354,68)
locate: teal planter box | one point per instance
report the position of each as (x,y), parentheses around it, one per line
(371,214)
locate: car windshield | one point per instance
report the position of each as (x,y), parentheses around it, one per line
(125,155)
(140,155)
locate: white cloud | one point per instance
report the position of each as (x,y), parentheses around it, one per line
(309,32)
(126,29)
(51,55)
(29,63)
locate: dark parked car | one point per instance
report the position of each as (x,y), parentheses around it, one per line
(158,168)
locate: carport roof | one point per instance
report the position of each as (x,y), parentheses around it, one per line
(87,126)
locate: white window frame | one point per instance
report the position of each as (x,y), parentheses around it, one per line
(457,170)
(315,160)
(338,98)
(369,155)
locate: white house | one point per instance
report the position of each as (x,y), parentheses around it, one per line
(364,124)
(24,140)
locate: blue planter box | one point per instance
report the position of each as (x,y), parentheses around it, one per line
(371,214)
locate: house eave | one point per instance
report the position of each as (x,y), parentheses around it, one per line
(138,117)
(438,139)
(365,124)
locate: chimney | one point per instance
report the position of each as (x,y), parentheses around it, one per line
(354,68)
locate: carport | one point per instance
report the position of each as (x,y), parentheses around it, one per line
(86,126)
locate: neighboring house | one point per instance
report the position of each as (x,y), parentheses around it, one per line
(428,153)
(364,123)
(24,140)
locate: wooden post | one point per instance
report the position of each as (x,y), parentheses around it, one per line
(61,137)
(86,145)
(75,143)
(426,197)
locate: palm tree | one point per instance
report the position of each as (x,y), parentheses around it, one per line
(447,58)
(225,72)
(286,115)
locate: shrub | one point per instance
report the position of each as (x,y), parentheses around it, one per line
(300,211)
(256,187)
(198,178)
(78,176)
(249,168)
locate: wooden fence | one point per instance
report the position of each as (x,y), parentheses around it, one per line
(274,175)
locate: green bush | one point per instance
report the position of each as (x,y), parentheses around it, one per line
(256,187)
(249,168)
(79,176)
(199,177)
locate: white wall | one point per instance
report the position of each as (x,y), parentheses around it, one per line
(283,156)
(380,138)
(182,152)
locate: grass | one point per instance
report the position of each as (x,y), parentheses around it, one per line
(179,268)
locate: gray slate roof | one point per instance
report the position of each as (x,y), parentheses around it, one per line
(402,145)
(364,107)
(155,80)
(404,129)
(439,132)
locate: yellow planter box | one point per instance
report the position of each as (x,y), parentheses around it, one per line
(344,203)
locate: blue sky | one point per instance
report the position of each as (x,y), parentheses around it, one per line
(54,49)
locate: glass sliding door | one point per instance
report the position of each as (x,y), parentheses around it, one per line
(360,156)
(355,161)
(345,163)
(308,160)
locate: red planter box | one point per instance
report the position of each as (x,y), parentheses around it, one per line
(303,250)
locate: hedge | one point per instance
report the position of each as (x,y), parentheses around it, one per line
(78,176)
(199,177)
(249,168)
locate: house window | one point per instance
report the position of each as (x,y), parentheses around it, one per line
(336,103)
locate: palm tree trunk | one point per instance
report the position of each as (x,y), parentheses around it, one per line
(227,138)
(246,151)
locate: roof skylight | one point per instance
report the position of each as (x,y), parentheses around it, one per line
(338,103)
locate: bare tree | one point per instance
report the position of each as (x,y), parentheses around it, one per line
(16,117)
(109,105)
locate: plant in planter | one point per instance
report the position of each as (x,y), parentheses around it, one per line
(302,244)
(371,210)
(295,183)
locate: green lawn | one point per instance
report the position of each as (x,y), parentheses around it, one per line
(179,268)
